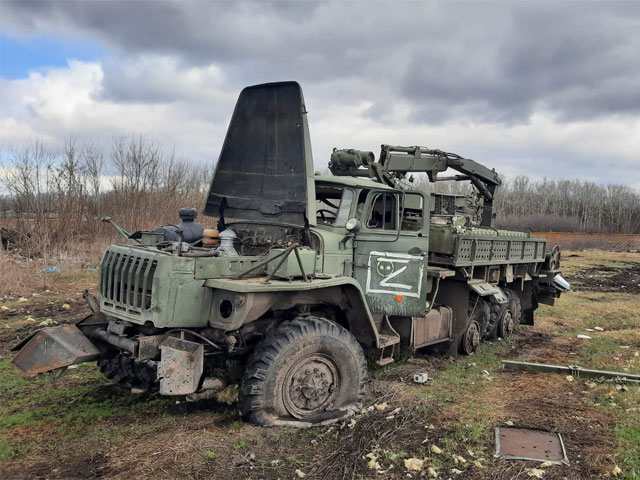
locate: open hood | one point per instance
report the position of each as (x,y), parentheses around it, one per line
(265,169)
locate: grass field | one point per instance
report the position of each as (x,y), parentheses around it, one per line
(80,426)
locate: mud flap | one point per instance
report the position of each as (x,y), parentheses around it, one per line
(52,348)
(180,367)
(486,289)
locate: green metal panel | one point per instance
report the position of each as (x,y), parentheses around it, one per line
(227,267)
(391,265)
(142,285)
(336,255)
(290,268)
(258,284)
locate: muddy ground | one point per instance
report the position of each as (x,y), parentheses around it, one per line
(84,427)
(625,277)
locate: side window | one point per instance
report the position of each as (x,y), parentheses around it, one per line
(384,212)
(412,212)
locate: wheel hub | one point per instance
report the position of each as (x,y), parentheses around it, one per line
(507,324)
(472,338)
(311,385)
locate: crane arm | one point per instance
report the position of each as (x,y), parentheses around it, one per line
(396,159)
(402,160)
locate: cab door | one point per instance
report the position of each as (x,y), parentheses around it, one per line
(391,252)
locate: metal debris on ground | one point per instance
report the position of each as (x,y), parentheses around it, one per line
(420,377)
(572,370)
(513,443)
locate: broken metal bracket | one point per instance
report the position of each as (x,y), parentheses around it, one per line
(180,367)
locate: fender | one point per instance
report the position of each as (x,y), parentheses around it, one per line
(253,297)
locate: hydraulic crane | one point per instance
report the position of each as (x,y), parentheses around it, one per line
(396,162)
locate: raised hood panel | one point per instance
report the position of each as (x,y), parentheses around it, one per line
(265,169)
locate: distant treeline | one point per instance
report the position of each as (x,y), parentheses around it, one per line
(560,205)
(55,196)
(568,206)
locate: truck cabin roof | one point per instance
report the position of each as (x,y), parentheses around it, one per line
(352,182)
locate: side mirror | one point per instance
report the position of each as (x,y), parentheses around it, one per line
(353,225)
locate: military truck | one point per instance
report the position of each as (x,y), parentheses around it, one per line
(306,275)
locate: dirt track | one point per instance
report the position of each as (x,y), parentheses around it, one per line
(85,428)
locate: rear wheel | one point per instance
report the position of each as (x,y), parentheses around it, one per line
(477,323)
(502,321)
(471,338)
(509,325)
(307,370)
(506,324)
(480,312)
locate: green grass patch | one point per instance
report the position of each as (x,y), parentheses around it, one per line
(7,451)
(625,405)
(209,454)
(80,403)
(466,375)
(629,449)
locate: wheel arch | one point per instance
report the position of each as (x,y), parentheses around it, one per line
(342,295)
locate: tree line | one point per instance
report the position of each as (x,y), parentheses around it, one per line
(557,205)
(56,195)
(567,206)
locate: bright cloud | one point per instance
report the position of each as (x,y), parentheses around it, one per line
(540,89)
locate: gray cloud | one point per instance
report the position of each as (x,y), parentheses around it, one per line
(402,68)
(492,62)
(576,61)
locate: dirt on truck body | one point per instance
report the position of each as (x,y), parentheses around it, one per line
(306,276)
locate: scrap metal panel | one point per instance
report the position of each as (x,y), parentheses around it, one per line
(514,443)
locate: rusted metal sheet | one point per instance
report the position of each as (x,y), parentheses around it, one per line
(514,443)
(148,346)
(418,332)
(180,367)
(55,347)
(434,327)
(573,370)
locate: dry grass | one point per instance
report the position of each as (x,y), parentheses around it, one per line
(104,432)
(13,278)
(23,275)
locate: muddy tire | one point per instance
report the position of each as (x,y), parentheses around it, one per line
(470,337)
(516,306)
(480,312)
(307,371)
(476,324)
(502,321)
(128,371)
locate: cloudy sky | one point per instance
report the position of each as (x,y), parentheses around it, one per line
(541,88)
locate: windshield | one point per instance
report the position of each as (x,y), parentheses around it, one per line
(333,205)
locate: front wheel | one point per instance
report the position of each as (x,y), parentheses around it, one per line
(307,371)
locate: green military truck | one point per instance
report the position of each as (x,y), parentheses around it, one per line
(309,275)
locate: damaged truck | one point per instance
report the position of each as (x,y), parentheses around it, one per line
(306,277)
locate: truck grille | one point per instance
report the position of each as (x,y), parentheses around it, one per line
(126,281)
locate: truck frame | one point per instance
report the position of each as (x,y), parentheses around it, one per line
(306,276)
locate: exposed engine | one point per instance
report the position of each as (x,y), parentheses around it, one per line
(190,238)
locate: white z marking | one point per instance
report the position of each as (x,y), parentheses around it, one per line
(385,281)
